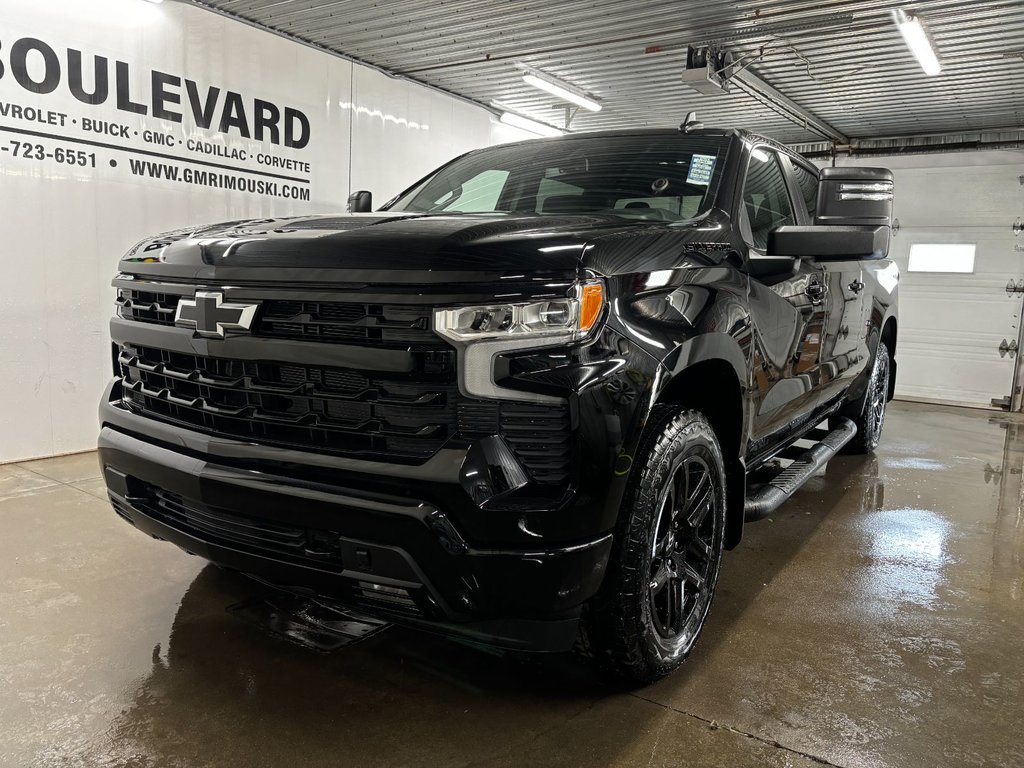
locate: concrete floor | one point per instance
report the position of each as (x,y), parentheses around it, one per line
(876,621)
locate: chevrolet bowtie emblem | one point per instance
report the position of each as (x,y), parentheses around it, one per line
(209,315)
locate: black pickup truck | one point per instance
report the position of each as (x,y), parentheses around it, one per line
(528,402)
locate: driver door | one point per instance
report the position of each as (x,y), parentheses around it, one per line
(844,352)
(788,306)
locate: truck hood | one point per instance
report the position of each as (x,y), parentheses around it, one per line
(376,248)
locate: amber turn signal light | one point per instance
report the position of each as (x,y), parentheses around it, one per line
(591,303)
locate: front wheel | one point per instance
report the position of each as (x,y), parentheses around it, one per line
(870,417)
(652,605)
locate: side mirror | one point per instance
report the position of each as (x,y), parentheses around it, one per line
(360,202)
(826,243)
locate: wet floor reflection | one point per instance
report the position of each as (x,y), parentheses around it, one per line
(221,688)
(222,683)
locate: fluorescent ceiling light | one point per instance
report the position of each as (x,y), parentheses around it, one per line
(559,88)
(533,126)
(917,41)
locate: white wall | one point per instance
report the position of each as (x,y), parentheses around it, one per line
(63,228)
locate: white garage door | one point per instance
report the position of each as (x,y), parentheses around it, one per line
(953,324)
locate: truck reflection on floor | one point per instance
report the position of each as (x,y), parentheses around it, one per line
(223,692)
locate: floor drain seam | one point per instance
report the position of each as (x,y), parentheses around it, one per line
(56,482)
(725,727)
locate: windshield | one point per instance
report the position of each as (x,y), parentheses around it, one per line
(665,177)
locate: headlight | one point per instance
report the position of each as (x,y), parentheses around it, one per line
(548,321)
(484,331)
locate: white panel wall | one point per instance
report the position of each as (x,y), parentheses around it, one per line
(63,228)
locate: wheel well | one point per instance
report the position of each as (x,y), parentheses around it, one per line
(889,339)
(713,388)
(889,335)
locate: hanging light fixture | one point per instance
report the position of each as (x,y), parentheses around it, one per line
(533,126)
(917,40)
(559,88)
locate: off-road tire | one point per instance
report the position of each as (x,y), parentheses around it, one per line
(623,628)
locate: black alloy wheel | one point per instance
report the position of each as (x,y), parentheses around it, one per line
(874,415)
(868,413)
(661,579)
(682,555)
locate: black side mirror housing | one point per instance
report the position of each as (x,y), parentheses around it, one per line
(852,196)
(360,202)
(829,243)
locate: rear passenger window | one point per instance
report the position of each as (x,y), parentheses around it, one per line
(808,187)
(765,197)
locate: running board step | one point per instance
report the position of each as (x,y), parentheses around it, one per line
(770,496)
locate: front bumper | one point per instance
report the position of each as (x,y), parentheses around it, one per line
(395,556)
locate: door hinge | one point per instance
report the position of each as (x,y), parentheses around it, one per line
(1013,287)
(1001,402)
(1008,349)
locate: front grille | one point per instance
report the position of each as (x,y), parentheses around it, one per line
(345,323)
(338,410)
(147,306)
(403,417)
(309,407)
(330,322)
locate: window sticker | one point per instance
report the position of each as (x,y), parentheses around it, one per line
(701,167)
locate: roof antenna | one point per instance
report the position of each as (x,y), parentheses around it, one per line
(691,123)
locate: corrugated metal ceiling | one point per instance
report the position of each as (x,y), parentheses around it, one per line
(859,76)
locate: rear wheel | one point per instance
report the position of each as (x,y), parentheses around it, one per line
(869,414)
(661,581)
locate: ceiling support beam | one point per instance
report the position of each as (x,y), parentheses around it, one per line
(745,80)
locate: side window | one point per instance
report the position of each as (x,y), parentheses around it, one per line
(478,194)
(808,187)
(765,197)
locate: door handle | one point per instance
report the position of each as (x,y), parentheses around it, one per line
(816,291)
(856,286)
